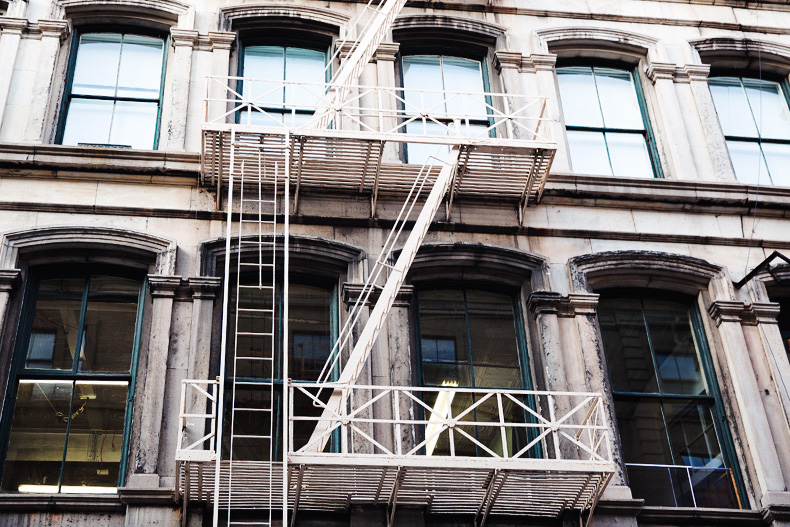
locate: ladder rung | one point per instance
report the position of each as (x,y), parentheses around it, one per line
(241,286)
(235,409)
(250,264)
(253,334)
(254,310)
(247,357)
(253,383)
(248,436)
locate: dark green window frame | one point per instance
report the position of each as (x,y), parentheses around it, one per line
(74,50)
(712,398)
(521,348)
(285,43)
(277,380)
(19,372)
(647,132)
(445,52)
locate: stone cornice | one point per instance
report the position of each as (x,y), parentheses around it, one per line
(524,63)
(50,29)
(221,39)
(571,305)
(585,36)
(163,286)
(387,51)
(351,293)
(204,287)
(743,313)
(728,47)
(8,279)
(183,37)
(13,26)
(660,71)
(692,73)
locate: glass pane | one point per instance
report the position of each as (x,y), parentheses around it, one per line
(674,347)
(732,106)
(93,455)
(140,73)
(444,405)
(778,158)
(423,73)
(38,436)
(134,124)
(493,339)
(619,102)
(110,321)
(588,153)
(88,122)
(769,108)
(442,319)
(56,321)
(304,65)
(748,163)
(579,97)
(629,155)
(627,347)
(264,62)
(420,153)
(464,75)
(309,327)
(96,68)
(642,432)
(658,486)
(714,488)
(690,428)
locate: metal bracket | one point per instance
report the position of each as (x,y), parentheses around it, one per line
(298,493)
(393,500)
(765,264)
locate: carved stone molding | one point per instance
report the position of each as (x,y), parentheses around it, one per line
(722,47)
(692,73)
(13,26)
(204,287)
(52,28)
(221,39)
(571,305)
(351,293)
(163,286)
(606,38)
(387,51)
(9,278)
(660,71)
(524,63)
(183,37)
(743,313)
(331,17)
(449,22)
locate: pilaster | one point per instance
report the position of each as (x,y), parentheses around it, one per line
(9,45)
(9,279)
(183,41)
(221,43)
(53,32)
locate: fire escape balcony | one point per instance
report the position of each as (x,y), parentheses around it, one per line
(506,139)
(446,449)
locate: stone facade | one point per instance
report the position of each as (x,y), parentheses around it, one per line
(696,231)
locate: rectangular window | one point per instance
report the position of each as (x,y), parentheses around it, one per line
(73,387)
(608,133)
(666,405)
(756,123)
(430,111)
(272,82)
(115,93)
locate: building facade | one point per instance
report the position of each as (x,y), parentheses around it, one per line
(623,275)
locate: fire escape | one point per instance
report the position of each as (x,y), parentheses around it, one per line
(259,167)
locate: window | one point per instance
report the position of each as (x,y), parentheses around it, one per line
(667,403)
(115,92)
(472,339)
(425,77)
(72,384)
(756,124)
(608,131)
(784,323)
(312,333)
(265,69)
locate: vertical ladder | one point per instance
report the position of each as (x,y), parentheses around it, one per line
(253,335)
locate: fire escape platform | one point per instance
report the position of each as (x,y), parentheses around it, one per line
(339,161)
(333,483)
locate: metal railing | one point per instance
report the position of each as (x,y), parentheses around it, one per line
(197,420)
(412,423)
(425,115)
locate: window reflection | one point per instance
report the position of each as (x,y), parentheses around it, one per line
(755,119)
(607,133)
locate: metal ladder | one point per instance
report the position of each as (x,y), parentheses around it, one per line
(253,315)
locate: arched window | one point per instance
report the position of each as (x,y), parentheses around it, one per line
(472,338)
(72,381)
(114,92)
(674,438)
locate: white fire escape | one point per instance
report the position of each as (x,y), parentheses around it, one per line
(259,171)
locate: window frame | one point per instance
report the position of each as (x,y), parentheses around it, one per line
(522,346)
(302,42)
(714,397)
(647,133)
(72,62)
(20,372)
(784,89)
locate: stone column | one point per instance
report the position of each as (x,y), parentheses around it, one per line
(385,76)
(52,34)
(714,136)
(743,385)
(681,162)
(178,94)
(9,45)
(163,290)
(8,280)
(221,43)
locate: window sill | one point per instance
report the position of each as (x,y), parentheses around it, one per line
(13,501)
